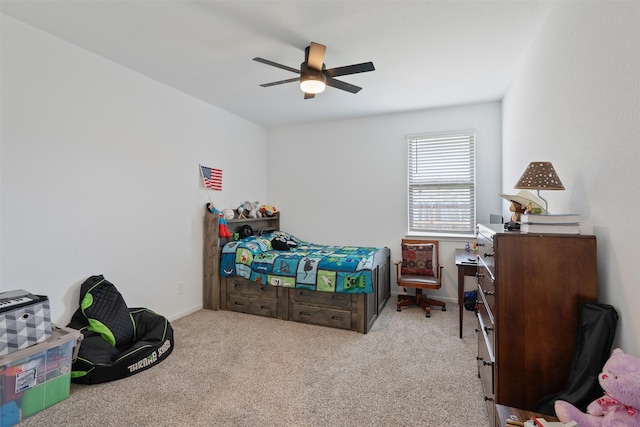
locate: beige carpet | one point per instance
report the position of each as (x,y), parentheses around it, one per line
(233,369)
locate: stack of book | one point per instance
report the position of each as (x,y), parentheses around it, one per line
(559,224)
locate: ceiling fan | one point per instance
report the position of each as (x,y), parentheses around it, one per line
(314,76)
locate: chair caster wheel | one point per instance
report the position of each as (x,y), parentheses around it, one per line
(444,308)
(398,309)
(427,315)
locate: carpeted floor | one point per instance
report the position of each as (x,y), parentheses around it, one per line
(233,369)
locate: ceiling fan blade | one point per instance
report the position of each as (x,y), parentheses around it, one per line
(316,56)
(349,69)
(343,85)
(309,95)
(279,82)
(275,64)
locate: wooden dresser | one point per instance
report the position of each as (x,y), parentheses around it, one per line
(530,287)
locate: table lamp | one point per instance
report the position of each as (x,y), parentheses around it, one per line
(540,176)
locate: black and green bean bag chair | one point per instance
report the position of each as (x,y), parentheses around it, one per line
(118,341)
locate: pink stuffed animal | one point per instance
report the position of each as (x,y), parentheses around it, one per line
(620,406)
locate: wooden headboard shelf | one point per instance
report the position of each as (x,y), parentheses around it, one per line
(212,244)
(259,225)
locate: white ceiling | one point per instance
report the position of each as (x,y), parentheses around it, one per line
(426,53)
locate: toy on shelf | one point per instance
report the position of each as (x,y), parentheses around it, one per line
(242,213)
(268,210)
(517,210)
(228,213)
(223,230)
(249,210)
(254,212)
(620,405)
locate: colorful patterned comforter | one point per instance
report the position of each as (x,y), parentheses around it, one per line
(345,269)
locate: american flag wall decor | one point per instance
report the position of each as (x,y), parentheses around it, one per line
(211,177)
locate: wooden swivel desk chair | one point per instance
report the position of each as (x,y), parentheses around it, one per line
(419,269)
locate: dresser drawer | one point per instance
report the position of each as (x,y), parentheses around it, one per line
(486,266)
(487,300)
(484,242)
(486,374)
(486,326)
(261,307)
(486,362)
(320,316)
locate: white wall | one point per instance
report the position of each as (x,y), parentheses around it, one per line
(99,175)
(576,103)
(345,182)
(98,164)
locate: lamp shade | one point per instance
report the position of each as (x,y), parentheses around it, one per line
(540,176)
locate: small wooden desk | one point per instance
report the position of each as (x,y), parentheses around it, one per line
(503,413)
(465,268)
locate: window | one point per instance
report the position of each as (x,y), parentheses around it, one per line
(442,183)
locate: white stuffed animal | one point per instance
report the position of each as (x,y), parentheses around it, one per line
(254,211)
(249,210)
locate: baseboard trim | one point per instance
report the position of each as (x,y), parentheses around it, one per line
(183,313)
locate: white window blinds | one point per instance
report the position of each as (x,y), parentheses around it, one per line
(442,183)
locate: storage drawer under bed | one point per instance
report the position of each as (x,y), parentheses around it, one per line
(320,316)
(322,308)
(245,296)
(261,307)
(242,286)
(327,299)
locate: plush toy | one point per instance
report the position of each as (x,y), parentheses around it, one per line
(283,242)
(249,210)
(223,230)
(517,210)
(254,212)
(268,210)
(620,405)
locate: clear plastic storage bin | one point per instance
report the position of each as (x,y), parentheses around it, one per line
(38,376)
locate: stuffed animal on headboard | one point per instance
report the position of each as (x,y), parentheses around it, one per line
(249,210)
(268,210)
(223,230)
(254,211)
(620,405)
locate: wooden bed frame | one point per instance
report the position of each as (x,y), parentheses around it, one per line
(355,312)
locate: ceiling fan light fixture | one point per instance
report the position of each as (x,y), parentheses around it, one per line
(313,83)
